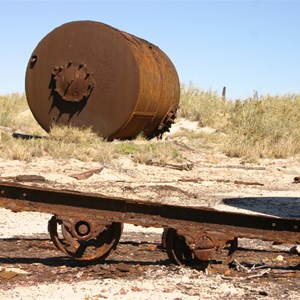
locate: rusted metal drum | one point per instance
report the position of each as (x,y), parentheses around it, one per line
(88,74)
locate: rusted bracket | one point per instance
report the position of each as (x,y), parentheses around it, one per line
(17,197)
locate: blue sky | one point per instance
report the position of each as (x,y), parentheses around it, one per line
(246,46)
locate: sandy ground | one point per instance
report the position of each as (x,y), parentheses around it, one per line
(211,180)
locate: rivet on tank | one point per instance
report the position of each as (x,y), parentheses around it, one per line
(88,74)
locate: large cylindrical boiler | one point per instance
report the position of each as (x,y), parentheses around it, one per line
(89,74)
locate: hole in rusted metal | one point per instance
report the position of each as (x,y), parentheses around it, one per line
(33,61)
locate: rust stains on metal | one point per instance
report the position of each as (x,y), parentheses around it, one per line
(89,74)
(92,223)
(73,82)
(85,239)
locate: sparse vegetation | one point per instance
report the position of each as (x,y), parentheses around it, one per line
(62,143)
(206,107)
(267,127)
(144,151)
(16,114)
(68,142)
(257,127)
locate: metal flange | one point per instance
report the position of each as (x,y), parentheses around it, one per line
(73,82)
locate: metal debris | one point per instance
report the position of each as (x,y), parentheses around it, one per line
(92,223)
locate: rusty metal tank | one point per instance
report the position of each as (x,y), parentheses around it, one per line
(89,74)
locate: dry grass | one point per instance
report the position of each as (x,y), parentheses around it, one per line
(207,141)
(16,114)
(206,107)
(264,127)
(62,143)
(80,143)
(143,151)
(65,142)
(268,127)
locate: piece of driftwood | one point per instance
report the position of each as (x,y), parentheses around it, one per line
(221,180)
(87,174)
(30,178)
(181,167)
(247,182)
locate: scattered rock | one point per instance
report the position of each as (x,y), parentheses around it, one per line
(123,267)
(279,258)
(297,179)
(295,250)
(136,289)
(17,270)
(7,275)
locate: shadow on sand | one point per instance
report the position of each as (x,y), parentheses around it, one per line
(283,207)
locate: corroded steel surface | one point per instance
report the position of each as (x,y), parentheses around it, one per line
(190,233)
(85,239)
(19,197)
(89,74)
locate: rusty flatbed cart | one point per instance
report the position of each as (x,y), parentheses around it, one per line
(91,224)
